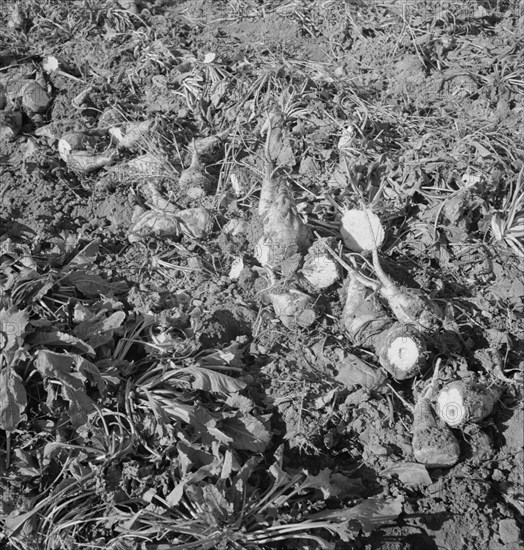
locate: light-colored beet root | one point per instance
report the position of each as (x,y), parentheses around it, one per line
(434,444)
(466,401)
(362,317)
(270,183)
(361,230)
(319,268)
(408,305)
(83,162)
(194,177)
(73,149)
(401,350)
(284,232)
(129,134)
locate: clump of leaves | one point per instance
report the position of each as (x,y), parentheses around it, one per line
(169,391)
(508,224)
(254,507)
(214,503)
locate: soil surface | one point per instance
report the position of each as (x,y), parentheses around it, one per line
(433,95)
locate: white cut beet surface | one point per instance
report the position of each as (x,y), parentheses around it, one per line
(401,350)
(463,401)
(321,272)
(433,443)
(319,268)
(362,230)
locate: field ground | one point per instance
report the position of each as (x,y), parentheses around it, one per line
(150,395)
